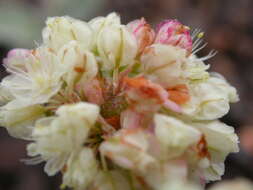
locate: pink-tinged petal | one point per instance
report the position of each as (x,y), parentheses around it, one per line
(172,32)
(15,54)
(143,33)
(131,119)
(18,52)
(172,106)
(140,88)
(94,92)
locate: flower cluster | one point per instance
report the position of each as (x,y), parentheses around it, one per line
(119,107)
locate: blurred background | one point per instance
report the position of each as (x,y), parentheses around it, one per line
(228,26)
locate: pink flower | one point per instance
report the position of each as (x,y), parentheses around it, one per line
(143,33)
(174,33)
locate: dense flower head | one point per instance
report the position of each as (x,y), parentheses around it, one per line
(119,107)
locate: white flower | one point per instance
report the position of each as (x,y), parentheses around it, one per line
(128,149)
(207,159)
(221,141)
(57,137)
(81,169)
(80,64)
(61,30)
(163,64)
(209,99)
(15,58)
(217,134)
(174,135)
(19,122)
(35,79)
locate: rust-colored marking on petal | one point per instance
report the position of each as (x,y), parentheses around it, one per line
(179,94)
(202,148)
(114,121)
(148,89)
(79,69)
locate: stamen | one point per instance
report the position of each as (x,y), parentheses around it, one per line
(201,35)
(195,33)
(200,48)
(209,56)
(32,161)
(197,43)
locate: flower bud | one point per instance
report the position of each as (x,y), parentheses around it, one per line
(99,22)
(61,30)
(172,32)
(116,46)
(143,33)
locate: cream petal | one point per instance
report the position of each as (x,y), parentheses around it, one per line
(62,30)
(37,80)
(217,134)
(163,64)
(19,122)
(57,137)
(128,150)
(81,169)
(81,64)
(113,179)
(174,135)
(209,99)
(116,46)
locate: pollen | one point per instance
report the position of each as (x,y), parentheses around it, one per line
(201,35)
